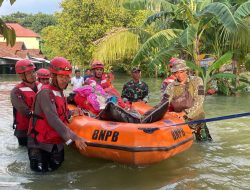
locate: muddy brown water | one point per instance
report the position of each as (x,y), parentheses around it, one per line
(222,164)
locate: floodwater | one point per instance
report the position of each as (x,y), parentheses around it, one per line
(222,164)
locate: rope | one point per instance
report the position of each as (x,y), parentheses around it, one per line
(152,130)
(212,119)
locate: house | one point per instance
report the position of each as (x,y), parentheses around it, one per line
(30,38)
(26,47)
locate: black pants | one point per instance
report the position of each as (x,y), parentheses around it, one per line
(22,141)
(43,161)
(113,112)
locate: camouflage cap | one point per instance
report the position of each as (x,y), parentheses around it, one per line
(179,65)
(134,69)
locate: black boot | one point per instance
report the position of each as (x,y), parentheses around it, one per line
(56,159)
(22,141)
(156,113)
(115,113)
(37,163)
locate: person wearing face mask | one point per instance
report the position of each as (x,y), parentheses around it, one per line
(48,131)
(186,96)
(22,96)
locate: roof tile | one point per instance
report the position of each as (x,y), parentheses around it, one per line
(21,31)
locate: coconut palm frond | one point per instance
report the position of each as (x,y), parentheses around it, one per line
(116,46)
(240,39)
(160,39)
(164,55)
(143,34)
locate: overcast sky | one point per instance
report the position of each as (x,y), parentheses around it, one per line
(30,6)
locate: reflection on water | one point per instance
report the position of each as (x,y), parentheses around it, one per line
(222,164)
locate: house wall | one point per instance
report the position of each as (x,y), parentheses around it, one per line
(30,42)
(7,66)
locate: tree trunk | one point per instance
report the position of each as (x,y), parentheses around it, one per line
(196,53)
(236,71)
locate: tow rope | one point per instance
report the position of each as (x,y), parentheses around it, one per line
(169,123)
(212,119)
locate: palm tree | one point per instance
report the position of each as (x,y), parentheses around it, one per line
(195,17)
(192,19)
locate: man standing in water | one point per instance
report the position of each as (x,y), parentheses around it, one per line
(135,90)
(186,96)
(22,96)
(48,131)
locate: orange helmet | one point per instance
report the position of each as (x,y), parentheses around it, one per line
(97,64)
(24,65)
(43,73)
(60,66)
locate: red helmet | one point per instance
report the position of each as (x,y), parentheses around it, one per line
(97,64)
(60,66)
(24,65)
(43,73)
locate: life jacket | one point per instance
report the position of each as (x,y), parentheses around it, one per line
(21,122)
(41,130)
(39,86)
(105,81)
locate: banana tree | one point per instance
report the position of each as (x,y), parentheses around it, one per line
(238,42)
(196,17)
(211,73)
(123,43)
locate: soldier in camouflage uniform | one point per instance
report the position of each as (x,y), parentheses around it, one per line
(135,90)
(186,95)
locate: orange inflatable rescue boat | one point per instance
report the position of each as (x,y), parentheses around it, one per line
(130,143)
